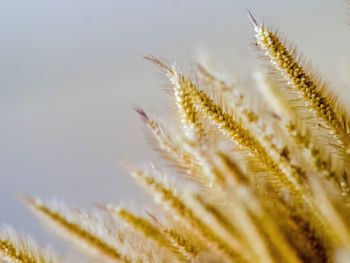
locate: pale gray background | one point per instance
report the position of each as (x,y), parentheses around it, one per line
(71,70)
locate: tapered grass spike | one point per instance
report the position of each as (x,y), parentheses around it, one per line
(171,202)
(314,94)
(75,230)
(16,248)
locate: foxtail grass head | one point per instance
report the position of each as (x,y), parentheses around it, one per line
(243,182)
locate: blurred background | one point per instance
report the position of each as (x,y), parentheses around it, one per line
(71,72)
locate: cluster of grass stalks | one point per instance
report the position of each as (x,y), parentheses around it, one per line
(246,182)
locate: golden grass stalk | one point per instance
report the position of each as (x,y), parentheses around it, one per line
(191,158)
(166,238)
(228,125)
(172,203)
(75,231)
(186,109)
(337,224)
(290,173)
(176,151)
(310,91)
(234,130)
(142,225)
(185,249)
(235,101)
(300,135)
(278,241)
(165,141)
(246,230)
(19,249)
